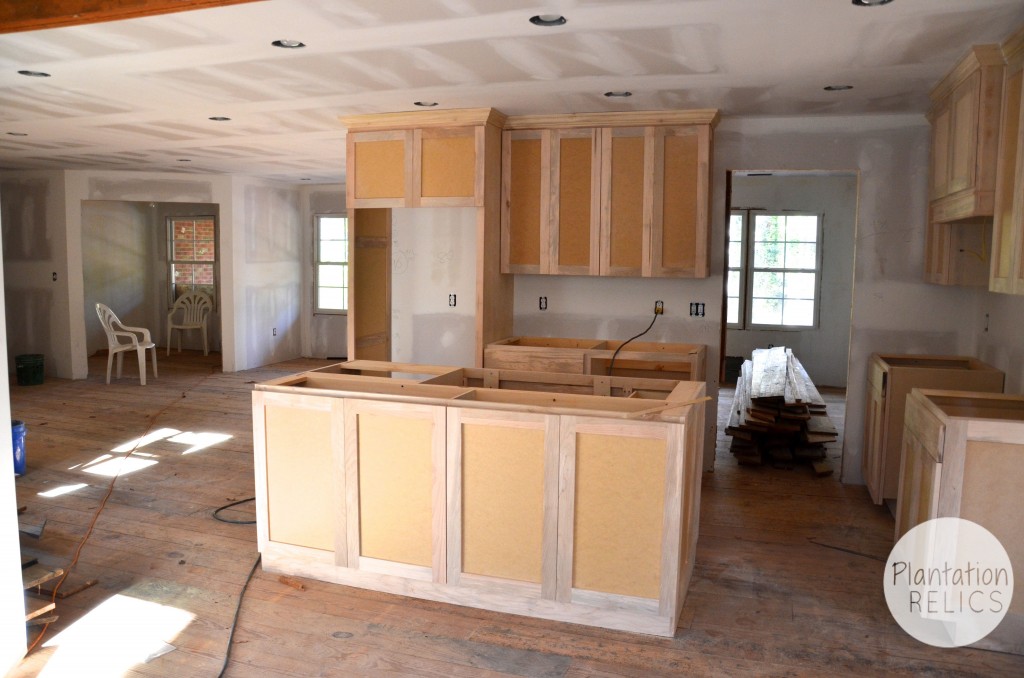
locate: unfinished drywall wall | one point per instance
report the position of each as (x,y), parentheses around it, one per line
(124,265)
(433,257)
(13,638)
(87,185)
(823,350)
(893,310)
(326,335)
(117,255)
(36,262)
(265,248)
(999,335)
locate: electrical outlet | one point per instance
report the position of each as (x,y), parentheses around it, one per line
(659,307)
(275,331)
(697,309)
(451,300)
(542,303)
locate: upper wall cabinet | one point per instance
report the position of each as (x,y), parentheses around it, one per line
(613,194)
(417,159)
(965,129)
(1007,264)
(965,135)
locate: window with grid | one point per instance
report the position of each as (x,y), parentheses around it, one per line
(331,264)
(193,255)
(734,284)
(774,270)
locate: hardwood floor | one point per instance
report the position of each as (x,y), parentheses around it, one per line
(787,582)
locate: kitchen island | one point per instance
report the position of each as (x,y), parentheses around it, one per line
(566,497)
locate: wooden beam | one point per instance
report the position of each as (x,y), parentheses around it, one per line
(34,16)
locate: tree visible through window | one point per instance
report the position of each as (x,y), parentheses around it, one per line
(331,264)
(193,255)
(775,259)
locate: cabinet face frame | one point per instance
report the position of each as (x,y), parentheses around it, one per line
(591,226)
(354,143)
(531,225)
(435,417)
(624,205)
(472,166)
(1006,272)
(548,425)
(661,225)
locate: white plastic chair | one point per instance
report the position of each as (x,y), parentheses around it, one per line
(195,307)
(116,331)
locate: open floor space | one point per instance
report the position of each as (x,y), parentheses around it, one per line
(787,579)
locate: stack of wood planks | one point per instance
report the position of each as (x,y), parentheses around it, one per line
(778,414)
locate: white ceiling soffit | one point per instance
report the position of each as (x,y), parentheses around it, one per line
(138,94)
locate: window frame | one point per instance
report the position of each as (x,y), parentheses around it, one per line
(317,219)
(744,215)
(748,269)
(169,222)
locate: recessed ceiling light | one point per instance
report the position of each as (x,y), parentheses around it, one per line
(837,88)
(34,74)
(219,118)
(618,95)
(288,44)
(425,104)
(17,134)
(547,20)
(870,3)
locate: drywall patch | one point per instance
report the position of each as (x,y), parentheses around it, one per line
(23,215)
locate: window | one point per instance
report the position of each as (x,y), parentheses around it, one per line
(775,260)
(331,264)
(734,270)
(193,254)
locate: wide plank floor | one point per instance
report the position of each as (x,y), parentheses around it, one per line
(787,581)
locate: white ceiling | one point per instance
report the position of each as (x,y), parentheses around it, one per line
(137,94)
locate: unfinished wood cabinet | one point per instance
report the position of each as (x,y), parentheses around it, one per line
(418,159)
(550,210)
(593,356)
(963,457)
(890,379)
(428,482)
(607,194)
(965,132)
(1007,264)
(449,158)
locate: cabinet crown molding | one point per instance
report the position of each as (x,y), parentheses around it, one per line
(1013,46)
(980,56)
(703,116)
(453,117)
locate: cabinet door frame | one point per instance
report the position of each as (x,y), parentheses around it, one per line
(416,197)
(553,216)
(655,168)
(544,188)
(608,135)
(352,194)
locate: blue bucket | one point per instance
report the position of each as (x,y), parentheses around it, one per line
(18,442)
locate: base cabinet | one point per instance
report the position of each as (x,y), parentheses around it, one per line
(963,457)
(890,380)
(500,499)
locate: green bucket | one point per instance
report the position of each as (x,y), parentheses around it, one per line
(29,368)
